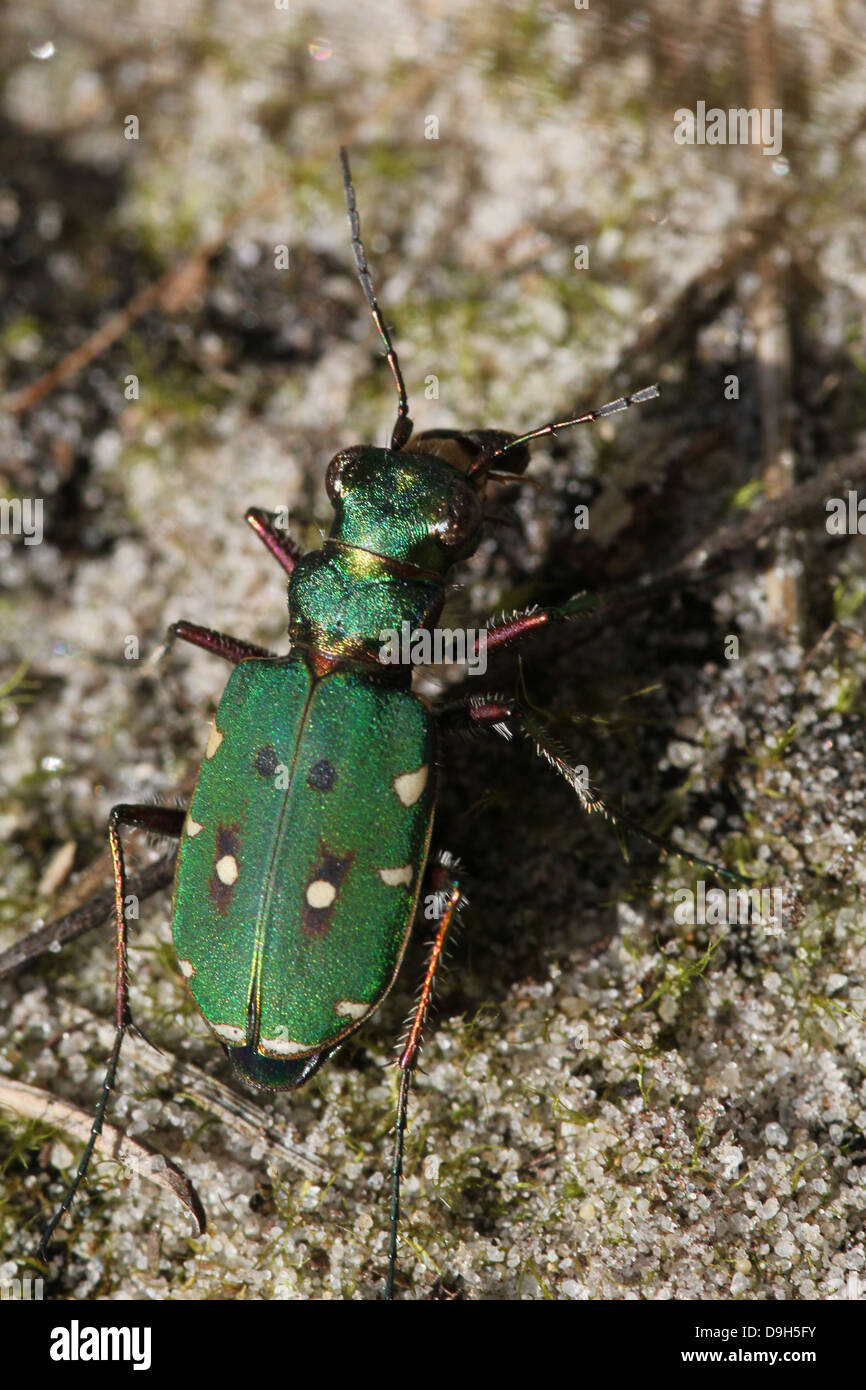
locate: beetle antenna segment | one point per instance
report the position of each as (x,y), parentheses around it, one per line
(649,393)
(403,425)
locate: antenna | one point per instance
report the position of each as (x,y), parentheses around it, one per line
(482,464)
(403,425)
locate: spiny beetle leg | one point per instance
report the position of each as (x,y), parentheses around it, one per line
(589,798)
(478,712)
(519,625)
(233,649)
(446,888)
(281,545)
(509,716)
(160,820)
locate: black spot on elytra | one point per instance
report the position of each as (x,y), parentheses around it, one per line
(332,869)
(322,776)
(228,841)
(266,760)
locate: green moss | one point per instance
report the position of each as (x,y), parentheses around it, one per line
(680,977)
(18,330)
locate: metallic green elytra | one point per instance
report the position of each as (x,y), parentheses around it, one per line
(301,857)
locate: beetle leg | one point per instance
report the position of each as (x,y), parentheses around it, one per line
(81,919)
(519,625)
(233,649)
(446,886)
(161,820)
(479,712)
(508,717)
(596,610)
(281,545)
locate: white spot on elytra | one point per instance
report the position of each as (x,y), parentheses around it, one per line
(321,893)
(394,877)
(187,969)
(229,1033)
(410,785)
(348,1008)
(192,827)
(227,869)
(281,1047)
(214,739)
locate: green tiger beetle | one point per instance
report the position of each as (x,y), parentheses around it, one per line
(306,843)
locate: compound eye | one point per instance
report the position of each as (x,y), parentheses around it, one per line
(338,478)
(460,518)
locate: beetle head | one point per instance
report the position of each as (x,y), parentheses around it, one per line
(411,507)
